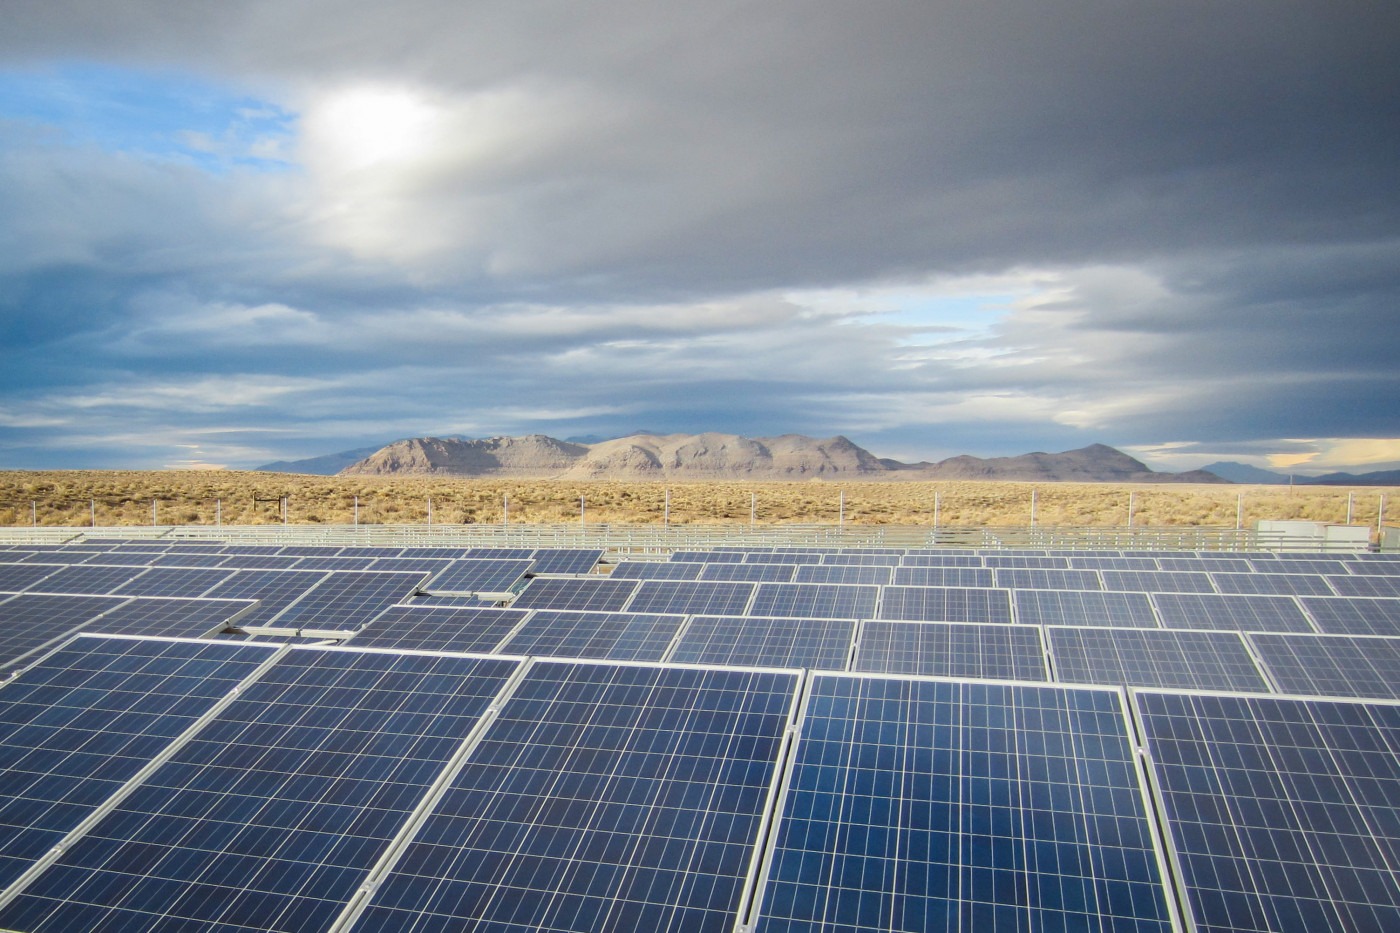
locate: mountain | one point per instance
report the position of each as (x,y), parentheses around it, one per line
(534,455)
(327,465)
(713,456)
(1244,473)
(1377,478)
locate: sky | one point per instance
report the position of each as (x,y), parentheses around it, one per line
(239,232)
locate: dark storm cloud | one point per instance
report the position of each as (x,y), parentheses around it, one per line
(593,216)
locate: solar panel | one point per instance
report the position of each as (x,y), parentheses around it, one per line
(91,580)
(945,604)
(1154,658)
(1281,811)
(943,576)
(616,636)
(657,570)
(67,558)
(931,805)
(1353,615)
(1332,665)
(171,617)
(821,644)
(1292,565)
(30,621)
(1346,585)
(748,573)
(335,563)
(274,590)
(1069,607)
(174,581)
(852,559)
(1206,564)
(814,601)
(1273,584)
(600,595)
(1096,562)
(465,577)
(428,565)
(941,560)
(77,726)
(1372,567)
(951,649)
(1036,578)
(259,562)
(719,555)
(1160,581)
(691,597)
(406,628)
(375,552)
(310,550)
(1023,562)
(292,794)
(1232,613)
(843,573)
(786,557)
(185,559)
(602,797)
(567,560)
(478,553)
(348,599)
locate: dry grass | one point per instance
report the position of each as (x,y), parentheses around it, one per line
(124,498)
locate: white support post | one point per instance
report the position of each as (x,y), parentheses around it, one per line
(1032,506)
(505,508)
(841,510)
(1351,506)
(1131,494)
(1380,519)
(218,512)
(430,511)
(753,509)
(356,518)
(33,513)
(285,510)
(1239,512)
(666,511)
(581,519)
(92,511)
(153,513)
(937,503)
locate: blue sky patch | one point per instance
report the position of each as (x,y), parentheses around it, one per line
(162,115)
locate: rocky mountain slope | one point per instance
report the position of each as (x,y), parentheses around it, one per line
(713,456)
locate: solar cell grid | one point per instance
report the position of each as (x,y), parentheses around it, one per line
(945,604)
(1293,565)
(348,599)
(274,590)
(1154,658)
(850,559)
(691,597)
(185,559)
(427,565)
(709,557)
(1385,568)
(174,581)
(941,560)
(404,628)
(170,618)
(600,595)
(616,636)
(951,649)
(943,576)
(818,644)
(1068,607)
(1161,581)
(1273,584)
(468,576)
(1024,562)
(1332,665)
(749,573)
(16,577)
(602,797)
(1364,586)
(814,600)
(86,580)
(1205,564)
(30,621)
(843,573)
(1037,578)
(1231,613)
(1281,811)
(75,727)
(479,553)
(1094,562)
(658,570)
(293,793)
(334,563)
(566,560)
(1359,615)
(259,562)
(784,557)
(925,805)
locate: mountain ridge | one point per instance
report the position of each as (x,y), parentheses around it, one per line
(718,456)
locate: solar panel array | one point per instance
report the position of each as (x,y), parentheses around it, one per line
(758,739)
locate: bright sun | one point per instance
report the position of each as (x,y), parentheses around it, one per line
(368,126)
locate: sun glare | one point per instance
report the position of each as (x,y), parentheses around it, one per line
(368,126)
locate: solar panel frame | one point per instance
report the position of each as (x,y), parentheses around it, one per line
(16,578)
(1353,615)
(1177,659)
(469,576)
(615,636)
(171,617)
(348,599)
(600,595)
(1272,584)
(566,560)
(945,604)
(752,641)
(984,651)
(1042,578)
(31,622)
(1158,581)
(814,601)
(944,576)
(465,630)
(691,597)
(274,590)
(1350,666)
(872,575)
(1230,612)
(658,570)
(1119,608)
(749,573)
(1370,585)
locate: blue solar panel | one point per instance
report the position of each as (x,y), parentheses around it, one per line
(1282,812)
(951,649)
(348,599)
(820,644)
(1161,581)
(854,559)
(1098,562)
(174,581)
(1354,585)
(1353,615)
(1068,607)
(310,550)
(185,559)
(1021,561)
(1154,658)
(376,552)
(274,590)
(1231,613)
(943,576)
(1273,584)
(94,580)
(920,805)
(1206,564)
(602,797)
(708,557)
(945,604)
(787,557)
(259,562)
(1388,568)
(815,600)
(1332,665)
(941,560)
(272,815)
(335,563)
(748,573)
(615,636)
(31,621)
(465,577)
(171,617)
(440,629)
(657,570)
(566,560)
(78,725)
(1036,578)
(843,573)
(691,597)
(428,565)
(600,595)
(477,553)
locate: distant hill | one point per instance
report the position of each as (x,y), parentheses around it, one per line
(327,465)
(712,456)
(1244,473)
